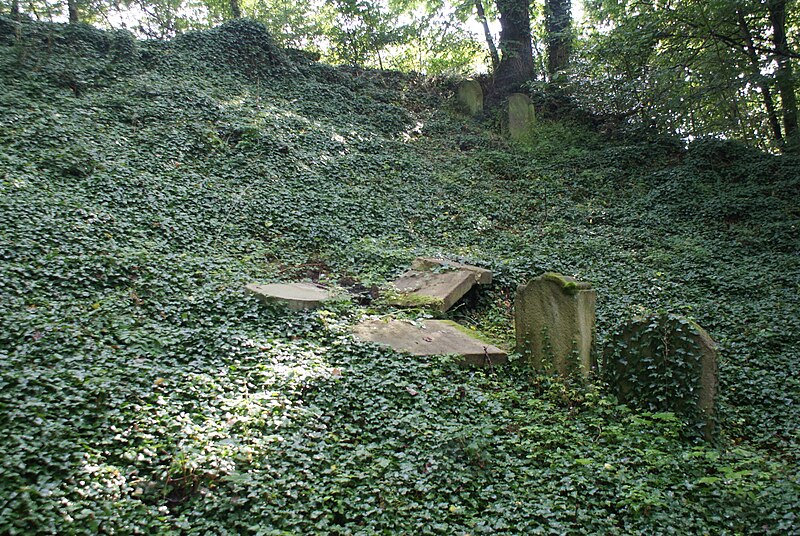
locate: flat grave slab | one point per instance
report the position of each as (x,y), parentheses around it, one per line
(297,296)
(431,337)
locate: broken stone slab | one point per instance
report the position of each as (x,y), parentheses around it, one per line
(482,275)
(470,95)
(297,296)
(665,363)
(521,115)
(439,291)
(432,337)
(436,283)
(554,318)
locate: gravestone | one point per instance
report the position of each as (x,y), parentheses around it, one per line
(470,95)
(296,296)
(665,363)
(436,283)
(554,319)
(521,115)
(432,337)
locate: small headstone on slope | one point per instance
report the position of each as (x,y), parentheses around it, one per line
(470,96)
(432,337)
(665,363)
(297,296)
(521,115)
(554,319)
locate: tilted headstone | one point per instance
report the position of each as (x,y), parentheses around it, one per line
(521,115)
(554,318)
(470,95)
(665,363)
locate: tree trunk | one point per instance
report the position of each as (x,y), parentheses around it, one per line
(72,7)
(516,63)
(236,11)
(766,92)
(558,26)
(15,10)
(488,34)
(784,78)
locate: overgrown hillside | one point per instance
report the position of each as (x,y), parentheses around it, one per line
(144,184)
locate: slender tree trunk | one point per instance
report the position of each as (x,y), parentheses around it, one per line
(15,10)
(558,27)
(516,63)
(236,11)
(488,34)
(72,7)
(784,78)
(766,92)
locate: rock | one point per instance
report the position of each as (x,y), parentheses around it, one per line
(470,96)
(437,283)
(297,296)
(555,324)
(432,337)
(521,115)
(665,363)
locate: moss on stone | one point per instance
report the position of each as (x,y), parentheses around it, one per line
(568,285)
(469,331)
(413,300)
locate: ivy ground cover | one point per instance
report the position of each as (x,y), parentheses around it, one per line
(143,184)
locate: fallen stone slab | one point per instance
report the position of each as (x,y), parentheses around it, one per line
(437,283)
(297,296)
(438,291)
(482,275)
(432,337)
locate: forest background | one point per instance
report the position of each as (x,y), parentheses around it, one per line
(719,68)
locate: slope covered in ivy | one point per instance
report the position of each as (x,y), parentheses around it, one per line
(143,184)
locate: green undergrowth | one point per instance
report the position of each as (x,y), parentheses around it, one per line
(143,184)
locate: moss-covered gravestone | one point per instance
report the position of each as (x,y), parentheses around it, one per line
(521,115)
(470,96)
(665,363)
(555,322)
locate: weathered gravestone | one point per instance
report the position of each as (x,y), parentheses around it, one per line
(521,115)
(665,363)
(470,95)
(554,319)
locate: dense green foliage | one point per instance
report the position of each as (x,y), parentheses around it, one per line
(697,68)
(656,363)
(143,184)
